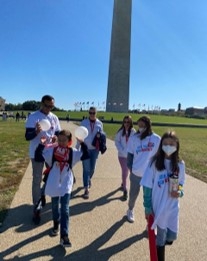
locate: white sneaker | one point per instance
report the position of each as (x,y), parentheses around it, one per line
(130,215)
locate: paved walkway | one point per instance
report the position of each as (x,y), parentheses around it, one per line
(98,227)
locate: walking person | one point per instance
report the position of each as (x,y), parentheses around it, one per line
(95,129)
(34,134)
(60,160)
(162,184)
(121,140)
(142,146)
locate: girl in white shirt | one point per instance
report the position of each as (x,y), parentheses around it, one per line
(142,146)
(121,140)
(162,186)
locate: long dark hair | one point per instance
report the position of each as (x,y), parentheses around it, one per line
(129,118)
(148,124)
(159,157)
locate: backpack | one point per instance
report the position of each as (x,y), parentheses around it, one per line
(70,160)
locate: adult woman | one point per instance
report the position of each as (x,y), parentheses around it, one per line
(163,183)
(121,140)
(142,146)
(94,127)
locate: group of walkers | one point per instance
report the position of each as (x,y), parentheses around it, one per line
(151,161)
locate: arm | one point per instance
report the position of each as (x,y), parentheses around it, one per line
(30,133)
(147,196)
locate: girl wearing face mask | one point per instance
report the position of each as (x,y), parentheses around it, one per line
(141,147)
(162,187)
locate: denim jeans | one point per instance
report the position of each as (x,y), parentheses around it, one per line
(37,168)
(124,172)
(134,190)
(60,213)
(164,235)
(89,167)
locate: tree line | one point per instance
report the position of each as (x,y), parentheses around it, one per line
(26,106)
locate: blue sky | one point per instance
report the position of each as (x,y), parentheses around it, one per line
(61,47)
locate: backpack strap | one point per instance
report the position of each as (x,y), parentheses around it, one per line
(70,160)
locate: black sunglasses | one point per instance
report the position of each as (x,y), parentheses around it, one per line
(91,112)
(48,106)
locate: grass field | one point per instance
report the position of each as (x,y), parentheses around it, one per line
(14,149)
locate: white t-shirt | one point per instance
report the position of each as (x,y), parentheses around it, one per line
(142,151)
(93,128)
(31,123)
(121,142)
(59,182)
(165,207)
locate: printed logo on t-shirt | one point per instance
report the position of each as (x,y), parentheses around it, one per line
(145,147)
(163,178)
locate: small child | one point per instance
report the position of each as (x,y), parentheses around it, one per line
(60,181)
(162,186)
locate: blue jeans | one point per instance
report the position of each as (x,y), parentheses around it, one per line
(37,168)
(164,235)
(134,190)
(61,214)
(89,167)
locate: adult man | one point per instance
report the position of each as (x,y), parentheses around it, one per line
(95,127)
(34,134)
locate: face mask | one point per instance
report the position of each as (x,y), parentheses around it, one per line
(141,130)
(168,149)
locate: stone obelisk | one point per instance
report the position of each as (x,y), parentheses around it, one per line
(119,65)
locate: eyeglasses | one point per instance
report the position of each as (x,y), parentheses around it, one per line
(48,106)
(92,113)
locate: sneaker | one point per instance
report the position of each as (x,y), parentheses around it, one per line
(86,194)
(65,242)
(36,217)
(125,195)
(43,200)
(55,229)
(130,216)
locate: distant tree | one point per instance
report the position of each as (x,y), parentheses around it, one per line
(179,106)
(30,106)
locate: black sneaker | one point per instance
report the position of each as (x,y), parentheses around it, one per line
(43,200)
(125,195)
(55,229)
(86,194)
(65,242)
(36,217)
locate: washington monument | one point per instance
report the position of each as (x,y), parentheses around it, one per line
(119,64)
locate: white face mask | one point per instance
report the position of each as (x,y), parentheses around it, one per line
(168,149)
(141,130)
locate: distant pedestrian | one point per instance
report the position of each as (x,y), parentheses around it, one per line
(34,134)
(17,116)
(60,160)
(95,128)
(162,184)
(142,146)
(121,140)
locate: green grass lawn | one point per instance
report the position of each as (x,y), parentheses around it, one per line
(14,149)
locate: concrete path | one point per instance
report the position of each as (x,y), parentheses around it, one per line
(99,230)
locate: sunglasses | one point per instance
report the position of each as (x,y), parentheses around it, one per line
(92,113)
(48,106)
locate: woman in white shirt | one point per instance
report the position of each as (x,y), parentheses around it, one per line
(121,140)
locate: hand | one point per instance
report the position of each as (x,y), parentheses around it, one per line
(38,128)
(80,141)
(43,140)
(174,194)
(54,139)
